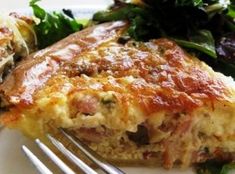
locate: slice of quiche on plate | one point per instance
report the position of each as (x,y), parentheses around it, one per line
(132,102)
(17,40)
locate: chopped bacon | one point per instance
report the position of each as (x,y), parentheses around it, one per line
(168,159)
(93,134)
(87,105)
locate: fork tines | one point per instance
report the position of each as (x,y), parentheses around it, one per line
(88,152)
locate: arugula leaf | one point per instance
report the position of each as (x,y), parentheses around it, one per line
(38,11)
(202,41)
(140,21)
(52,26)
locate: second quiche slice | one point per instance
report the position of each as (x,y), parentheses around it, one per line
(130,101)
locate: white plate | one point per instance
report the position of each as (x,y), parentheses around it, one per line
(12,160)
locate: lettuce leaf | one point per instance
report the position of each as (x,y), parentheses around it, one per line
(52,27)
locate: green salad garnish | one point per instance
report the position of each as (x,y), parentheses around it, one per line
(54,26)
(215,167)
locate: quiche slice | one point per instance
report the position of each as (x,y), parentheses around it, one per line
(132,102)
(17,40)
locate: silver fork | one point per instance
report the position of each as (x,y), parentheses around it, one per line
(89,153)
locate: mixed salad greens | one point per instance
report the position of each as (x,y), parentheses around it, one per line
(52,27)
(206,28)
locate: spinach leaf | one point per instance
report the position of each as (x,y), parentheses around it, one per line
(52,27)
